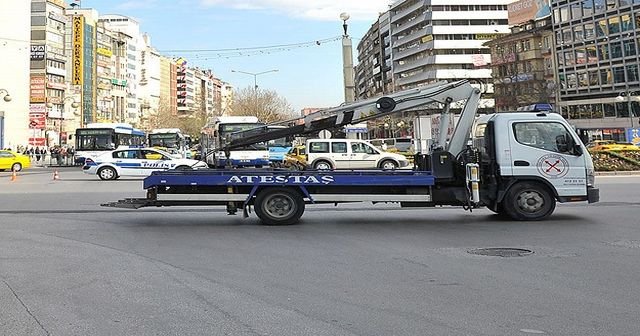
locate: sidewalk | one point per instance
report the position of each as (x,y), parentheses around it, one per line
(618,173)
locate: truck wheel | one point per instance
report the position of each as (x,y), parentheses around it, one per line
(322,165)
(528,201)
(277,206)
(388,165)
(107,173)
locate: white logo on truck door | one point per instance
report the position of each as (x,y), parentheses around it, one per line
(553,166)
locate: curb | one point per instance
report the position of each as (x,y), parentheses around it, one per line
(618,173)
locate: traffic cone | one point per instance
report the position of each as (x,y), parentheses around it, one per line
(55,175)
(14,176)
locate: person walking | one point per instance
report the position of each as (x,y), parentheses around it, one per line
(37,154)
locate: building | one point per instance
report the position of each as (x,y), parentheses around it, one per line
(105,72)
(149,83)
(226,98)
(522,65)
(168,86)
(185,84)
(48,69)
(373,71)
(597,56)
(15,48)
(434,40)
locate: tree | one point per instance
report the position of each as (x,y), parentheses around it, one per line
(190,123)
(267,105)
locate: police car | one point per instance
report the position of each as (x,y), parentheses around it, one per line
(136,162)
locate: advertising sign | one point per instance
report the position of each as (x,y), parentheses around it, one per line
(633,136)
(77,50)
(525,10)
(37,120)
(37,108)
(37,52)
(37,89)
(36,141)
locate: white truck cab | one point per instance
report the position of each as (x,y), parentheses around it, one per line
(536,156)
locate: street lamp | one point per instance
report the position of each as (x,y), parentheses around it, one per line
(7,96)
(347,62)
(74,105)
(255,75)
(626,96)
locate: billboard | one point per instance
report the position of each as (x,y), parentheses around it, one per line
(633,136)
(525,10)
(38,52)
(37,89)
(77,49)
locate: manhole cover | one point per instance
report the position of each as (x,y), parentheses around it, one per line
(501,252)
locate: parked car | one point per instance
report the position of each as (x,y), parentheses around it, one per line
(350,154)
(136,162)
(296,158)
(610,145)
(13,161)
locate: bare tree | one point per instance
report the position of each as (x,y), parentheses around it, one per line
(190,123)
(267,105)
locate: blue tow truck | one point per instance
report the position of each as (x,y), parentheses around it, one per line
(517,164)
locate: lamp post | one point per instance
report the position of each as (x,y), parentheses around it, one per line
(626,96)
(347,62)
(255,75)
(74,105)
(7,97)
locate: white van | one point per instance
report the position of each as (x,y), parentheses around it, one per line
(350,154)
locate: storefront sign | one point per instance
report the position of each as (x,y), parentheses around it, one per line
(38,52)
(633,136)
(37,89)
(54,100)
(59,86)
(104,52)
(37,120)
(58,17)
(37,141)
(37,108)
(78,50)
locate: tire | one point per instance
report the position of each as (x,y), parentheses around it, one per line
(322,165)
(279,206)
(107,173)
(16,167)
(184,168)
(388,165)
(528,201)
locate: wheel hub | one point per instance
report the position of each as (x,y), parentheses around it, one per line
(279,206)
(530,201)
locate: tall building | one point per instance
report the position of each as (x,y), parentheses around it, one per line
(105,71)
(185,84)
(48,72)
(522,65)
(435,40)
(226,98)
(597,55)
(149,83)
(168,85)
(14,77)
(373,71)
(130,43)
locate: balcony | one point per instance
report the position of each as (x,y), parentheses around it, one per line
(417,78)
(412,51)
(413,36)
(414,64)
(401,28)
(403,13)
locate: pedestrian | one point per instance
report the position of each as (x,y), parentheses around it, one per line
(43,152)
(37,154)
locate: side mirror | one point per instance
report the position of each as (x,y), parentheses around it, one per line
(562,144)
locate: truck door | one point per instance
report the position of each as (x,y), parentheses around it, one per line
(539,148)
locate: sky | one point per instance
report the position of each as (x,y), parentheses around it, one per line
(308,76)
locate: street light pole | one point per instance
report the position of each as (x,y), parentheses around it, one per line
(255,75)
(7,97)
(347,61)
(621,97)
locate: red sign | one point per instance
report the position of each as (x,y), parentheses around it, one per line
(37,89)
(37,120)
(37,141)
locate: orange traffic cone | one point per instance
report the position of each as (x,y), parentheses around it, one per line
(14,176)
(55,175)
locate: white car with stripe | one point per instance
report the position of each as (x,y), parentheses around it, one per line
(136,162)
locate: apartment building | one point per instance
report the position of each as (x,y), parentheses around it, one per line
(522,65)
(597,56)
(168,85)
(373,75)
(435,40)
(105,72)
(226,98)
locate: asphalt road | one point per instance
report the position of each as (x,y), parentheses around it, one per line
(70,267)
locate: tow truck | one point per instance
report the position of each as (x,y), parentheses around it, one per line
(518,164)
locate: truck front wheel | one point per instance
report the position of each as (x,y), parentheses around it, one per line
(528,201)
(279,206)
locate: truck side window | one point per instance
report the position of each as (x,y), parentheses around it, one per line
(541,135)
(338,147)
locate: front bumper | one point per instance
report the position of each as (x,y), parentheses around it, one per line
(593,195)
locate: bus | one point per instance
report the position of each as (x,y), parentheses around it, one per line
(171,140)
(98,138)
(221,130)
(278,148)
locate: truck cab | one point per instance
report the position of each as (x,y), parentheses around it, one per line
(530,160)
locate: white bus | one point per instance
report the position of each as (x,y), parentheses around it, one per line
(97,138)
(221,130)
(171,140)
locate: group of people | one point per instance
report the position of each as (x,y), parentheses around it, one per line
(61,154)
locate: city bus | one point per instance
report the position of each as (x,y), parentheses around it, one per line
(171,140)
(98,138)
(221,130)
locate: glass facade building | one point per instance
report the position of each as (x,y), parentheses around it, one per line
(597,53)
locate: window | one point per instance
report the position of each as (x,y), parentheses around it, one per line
(128,154)
(362,148)
(338,147)
(629,47)
(618,75)
(616,49)
(541,135)
(319,147)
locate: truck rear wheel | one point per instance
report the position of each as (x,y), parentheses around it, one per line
(279,206)
(528,201)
